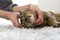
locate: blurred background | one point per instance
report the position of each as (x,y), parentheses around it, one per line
(44,5)
(47,5)
(24,2)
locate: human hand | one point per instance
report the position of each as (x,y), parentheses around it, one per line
(14,18)
(38,13)
(33,8)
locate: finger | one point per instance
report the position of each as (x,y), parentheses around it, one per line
(25,7)
(16,22)
(18,25)
(39,23)
(39,15)
(39,18)
(18,14)
(28,5)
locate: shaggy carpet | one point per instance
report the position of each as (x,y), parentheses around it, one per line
(9,32)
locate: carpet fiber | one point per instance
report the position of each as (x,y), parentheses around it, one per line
(9,32)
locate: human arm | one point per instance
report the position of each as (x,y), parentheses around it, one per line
(13,16)
(33,8)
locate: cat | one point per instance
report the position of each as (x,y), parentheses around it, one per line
(50,19)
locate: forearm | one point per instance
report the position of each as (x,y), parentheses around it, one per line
(4,14)
(18,8)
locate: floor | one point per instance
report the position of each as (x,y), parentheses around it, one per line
(9,32)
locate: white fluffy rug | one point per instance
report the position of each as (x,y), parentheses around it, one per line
(8,32)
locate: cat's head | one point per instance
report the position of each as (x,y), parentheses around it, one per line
(27,18)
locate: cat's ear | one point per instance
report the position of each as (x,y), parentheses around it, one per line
(52,12)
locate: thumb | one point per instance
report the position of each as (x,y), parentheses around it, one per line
(16,22)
